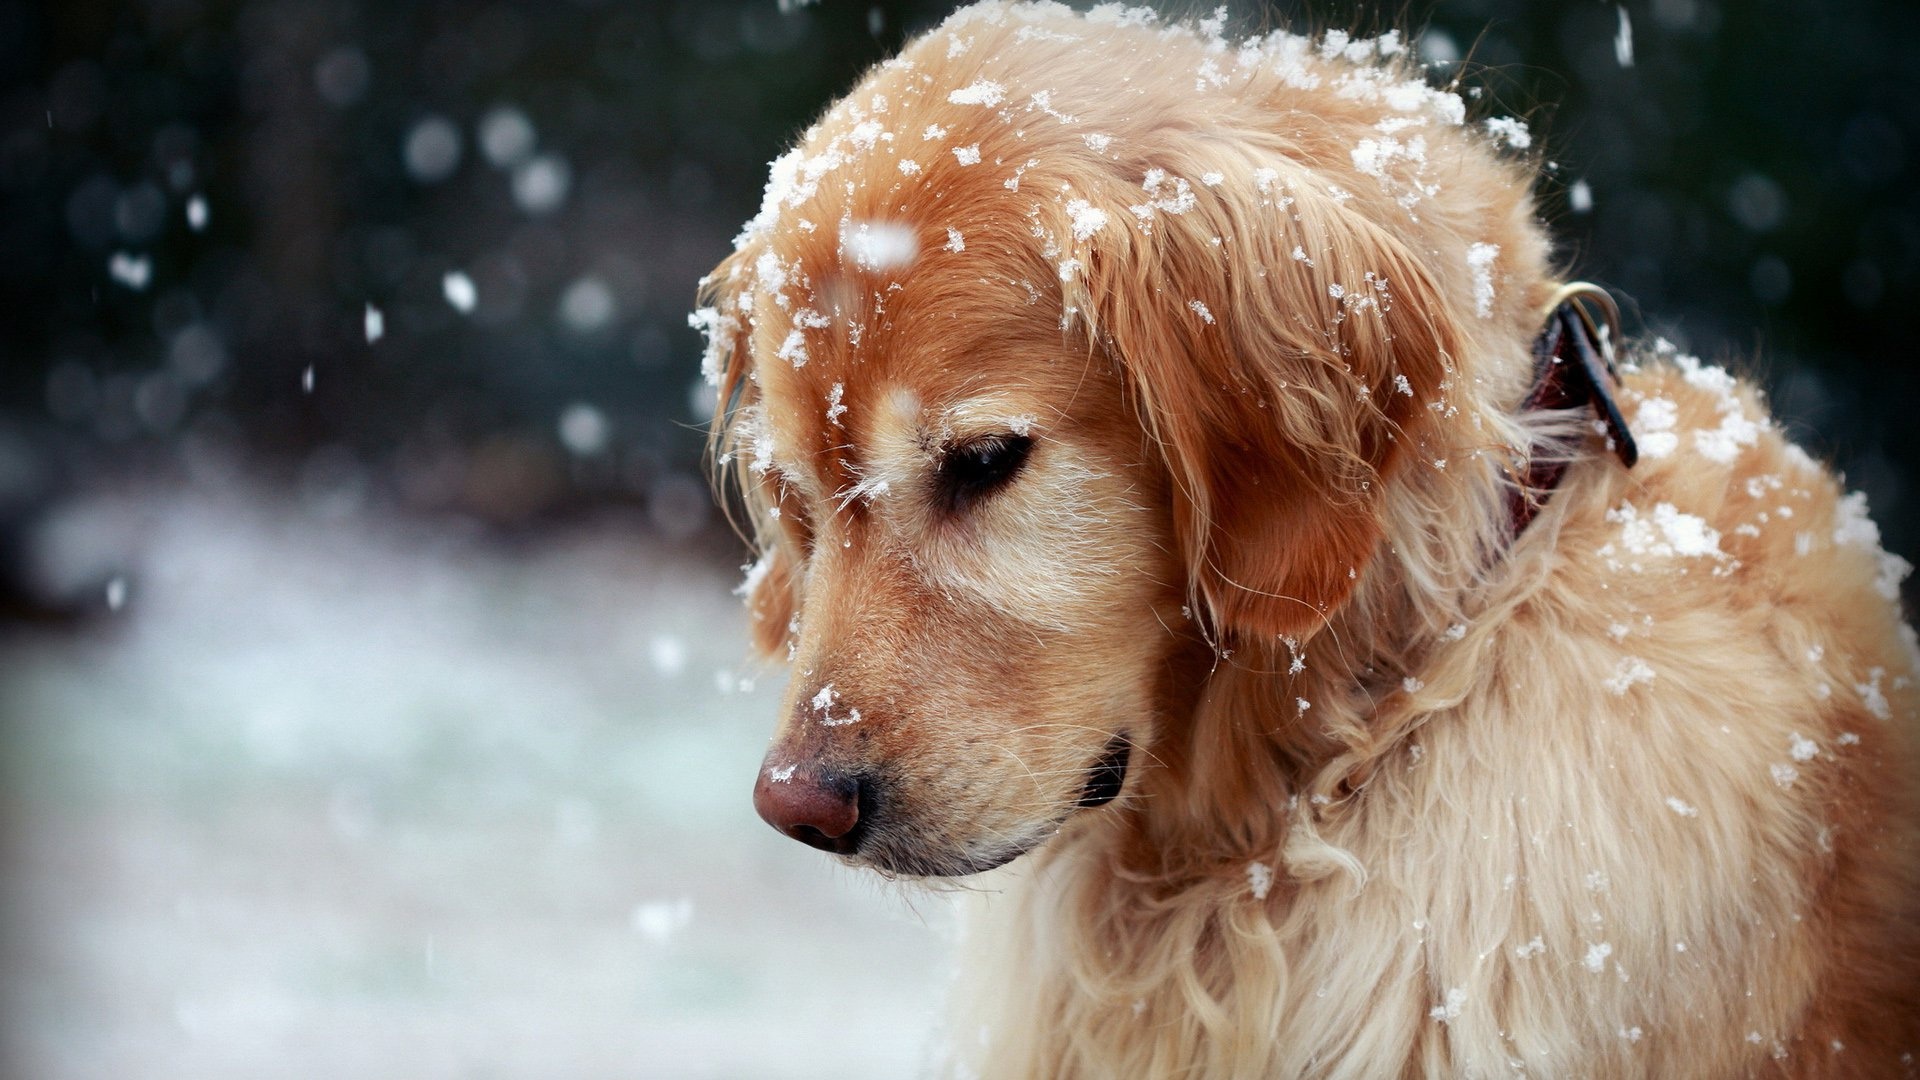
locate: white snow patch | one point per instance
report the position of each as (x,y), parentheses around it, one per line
(1783,774)
(967,155)
(793,349)
(1596,958)
(1653,427)
(835,407)
(1682,807)
(1480,262)
(1623,39)
(1871,695)
(374,322)
(1200,309)
(1259,879)
(982,92)
(1664,533)
(1450,1008)
(1510,131)
(878,245)
(955,242)
(1629,673)
(1801,748)
(1087,218)
(1531,949)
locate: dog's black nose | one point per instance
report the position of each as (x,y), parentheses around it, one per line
(819,807)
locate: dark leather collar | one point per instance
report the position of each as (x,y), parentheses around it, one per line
(1573,369)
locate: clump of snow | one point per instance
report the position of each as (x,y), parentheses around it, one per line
(867,133)
(1631,671)
(1087,218)
(1682,807)
(981,92)
(1510,131)
(1259,879)
(1724,443)
(835,407)
(1199,308)
(1801,748)
(1664,533)
(374,323)
(1165,193)
(1097,142)
(967,155)
(1450,1008)
(1653,427)
(793,349)
(1580,197)
(1480,263)
(955,242)
(1852,527)
(1531,949)
(1872,696)
(1596,958)
(1623,39)
(753,575)
(1783,774)
(878,245)
(197,213)
(715,329)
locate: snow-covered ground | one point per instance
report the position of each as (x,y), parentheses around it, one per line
(337,796)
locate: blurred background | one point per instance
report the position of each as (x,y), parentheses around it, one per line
(372,700)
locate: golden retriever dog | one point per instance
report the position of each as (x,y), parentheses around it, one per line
(1143,437)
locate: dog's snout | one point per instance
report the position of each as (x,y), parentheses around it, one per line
(819,807)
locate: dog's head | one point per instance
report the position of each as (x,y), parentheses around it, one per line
(1041,377)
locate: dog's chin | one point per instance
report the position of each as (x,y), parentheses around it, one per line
(897,856)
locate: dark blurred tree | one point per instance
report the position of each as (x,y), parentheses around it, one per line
(1748,182)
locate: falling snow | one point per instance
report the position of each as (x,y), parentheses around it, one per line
(459,292)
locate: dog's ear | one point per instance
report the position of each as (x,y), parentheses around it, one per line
(769,590)
(1282,350)
(741,451)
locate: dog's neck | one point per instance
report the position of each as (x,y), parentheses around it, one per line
(1357,691)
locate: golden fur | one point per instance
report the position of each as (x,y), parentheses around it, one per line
(1631,794)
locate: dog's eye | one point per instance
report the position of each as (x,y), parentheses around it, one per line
(972,471)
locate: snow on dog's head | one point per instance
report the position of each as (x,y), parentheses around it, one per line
(1065,354)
